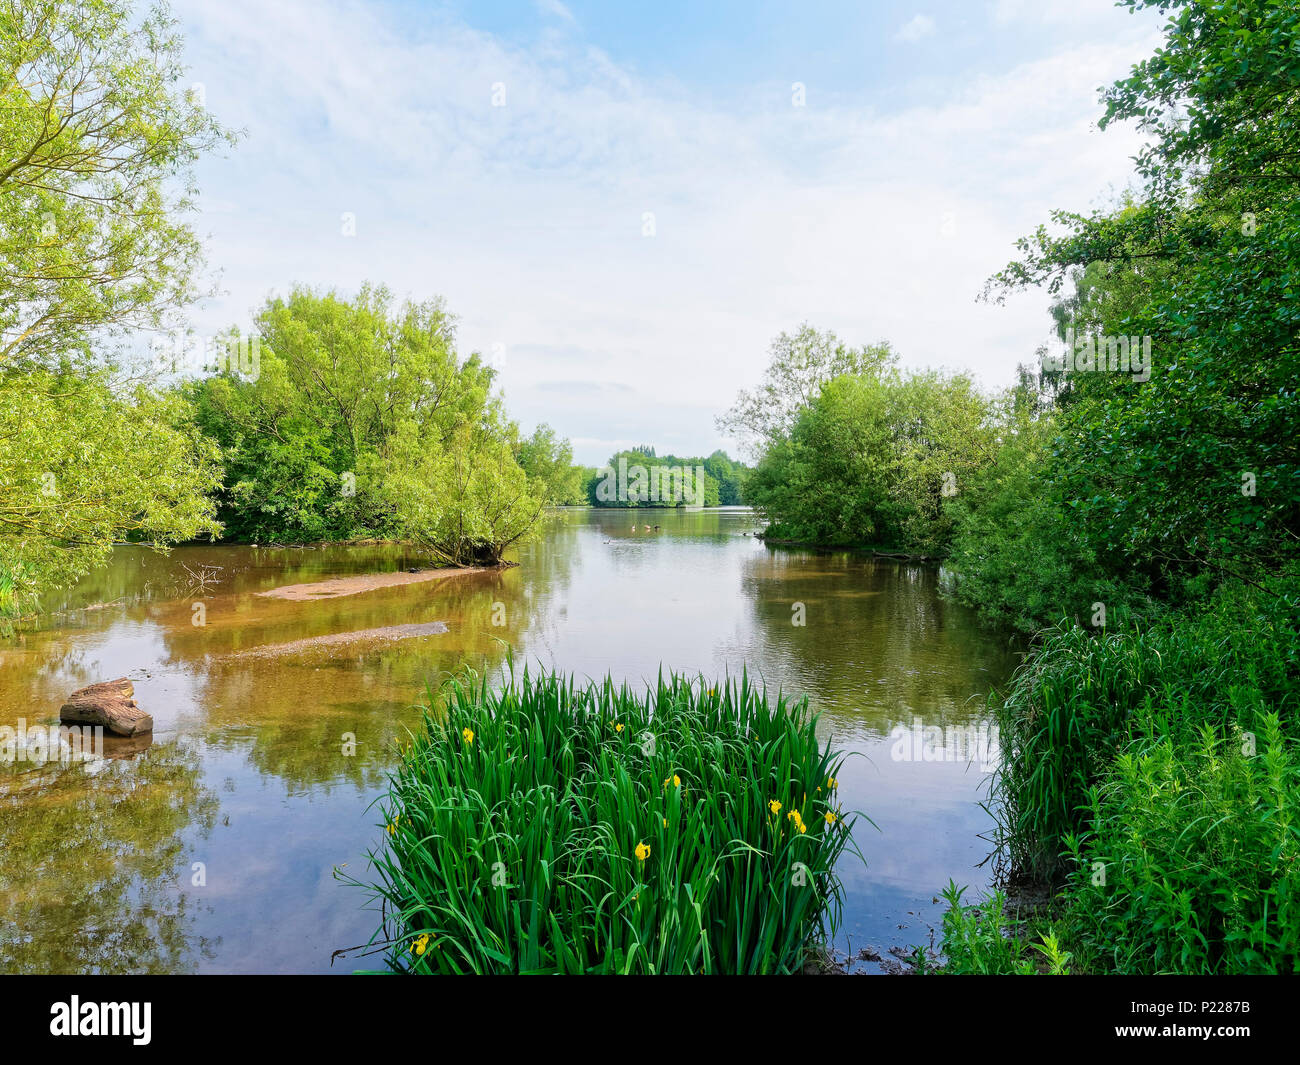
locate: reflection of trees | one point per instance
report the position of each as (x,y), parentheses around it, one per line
(89,865)
(304,703)
(878,638)
(137,574)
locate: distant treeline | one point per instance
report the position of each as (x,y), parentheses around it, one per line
(639,477)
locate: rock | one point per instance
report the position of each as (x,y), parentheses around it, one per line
(110,704)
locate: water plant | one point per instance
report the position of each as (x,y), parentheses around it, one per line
(547,826)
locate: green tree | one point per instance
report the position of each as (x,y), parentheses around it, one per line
(798,365)
(547,458)
(1198,468)
(82,465)
(363,421)
(872,460)
(96,143)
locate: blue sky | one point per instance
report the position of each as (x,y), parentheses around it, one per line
(624,203)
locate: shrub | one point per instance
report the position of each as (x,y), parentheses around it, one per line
(1081,697)
(1191,864)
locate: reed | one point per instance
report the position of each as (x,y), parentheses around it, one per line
(547,826)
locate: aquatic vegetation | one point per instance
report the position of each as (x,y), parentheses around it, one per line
(983,940)
(1152,775)
(1083,697)
(555,842)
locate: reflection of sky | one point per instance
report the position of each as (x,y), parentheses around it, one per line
(878,649)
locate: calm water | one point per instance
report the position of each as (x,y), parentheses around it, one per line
(246,782)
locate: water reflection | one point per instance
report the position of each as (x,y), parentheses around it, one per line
(92,860)
(264,766)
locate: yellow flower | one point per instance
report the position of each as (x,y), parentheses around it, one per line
(392,828)
(677,781)
(421,944)
(642,851)
(774,806)
(830,818)
(713,692)
(832,783)
(665,822)
(793,815)
(618,726)
(467,734)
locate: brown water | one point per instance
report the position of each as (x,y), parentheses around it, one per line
(213,848)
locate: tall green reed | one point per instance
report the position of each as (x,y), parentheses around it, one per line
(544,826)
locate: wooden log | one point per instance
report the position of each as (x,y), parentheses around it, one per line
(110,704)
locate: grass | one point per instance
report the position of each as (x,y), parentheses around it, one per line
(1151,776)
(549,827)
(1082,698)
(981,940)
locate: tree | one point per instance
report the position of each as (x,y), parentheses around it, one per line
(1197,468)
(364,421)
(872,460)
(96,143)
(82,466)
(547,458)
(798,366)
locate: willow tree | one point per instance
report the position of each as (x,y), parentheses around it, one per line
(98,134)
(799,364)
(364,421)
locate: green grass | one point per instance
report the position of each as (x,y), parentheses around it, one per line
(1083,697)
(1151,775)
(549,827)
(981,940)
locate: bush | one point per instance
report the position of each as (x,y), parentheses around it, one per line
(1153,773)
(551,828)
(1191,864)
(1082,697)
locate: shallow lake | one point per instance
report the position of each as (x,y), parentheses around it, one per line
(213,848)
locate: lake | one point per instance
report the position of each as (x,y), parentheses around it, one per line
(212,846)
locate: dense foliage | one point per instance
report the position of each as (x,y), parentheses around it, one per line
(872,458)
(96,143)
(363,421)
(83,464)
(639,477)
(1152,770)
(546,827)
(547,458)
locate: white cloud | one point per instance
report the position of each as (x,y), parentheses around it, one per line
(529,217)
(915,28)
(556,9)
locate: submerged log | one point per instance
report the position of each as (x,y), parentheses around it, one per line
(110,704)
